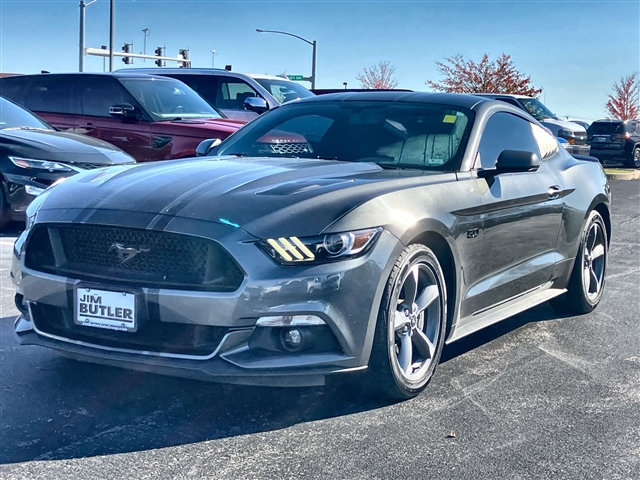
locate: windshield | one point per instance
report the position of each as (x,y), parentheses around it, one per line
(392,135)
(13,116)
(536,108)
(284,90)
(166,98)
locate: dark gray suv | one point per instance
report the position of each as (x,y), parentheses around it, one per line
(228,91)
(613,140)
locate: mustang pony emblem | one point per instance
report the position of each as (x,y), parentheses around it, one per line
(127,253)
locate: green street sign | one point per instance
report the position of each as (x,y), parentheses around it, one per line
(296,78)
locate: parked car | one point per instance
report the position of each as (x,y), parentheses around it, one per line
(615,140)
(149,117)
(573,133)
(33,156)
(429,217)
(228,91)
(582,123)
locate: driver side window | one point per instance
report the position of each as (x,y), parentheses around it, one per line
(504,131)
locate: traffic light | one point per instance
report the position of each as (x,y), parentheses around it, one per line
(127,48)
(184,54)
(159,62)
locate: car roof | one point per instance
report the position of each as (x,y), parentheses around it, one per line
(613,120)
(183,71)
(118,74)
(494,95)
(454,99)
(203,71)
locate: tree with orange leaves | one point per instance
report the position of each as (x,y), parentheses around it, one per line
(486,76)
(379,77)
(624,103)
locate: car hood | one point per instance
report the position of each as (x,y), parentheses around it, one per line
(61,147)
(220,124)
(263,196)
(564,124)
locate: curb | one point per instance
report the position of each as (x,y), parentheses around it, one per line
(622,174)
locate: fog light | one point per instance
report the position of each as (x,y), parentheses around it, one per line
(292,339)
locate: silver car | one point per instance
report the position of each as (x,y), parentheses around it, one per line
(338,234)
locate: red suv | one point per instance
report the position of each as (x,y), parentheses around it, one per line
(149,117)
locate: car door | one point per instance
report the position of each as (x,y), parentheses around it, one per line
(50,97)
(97,94)
(521,215)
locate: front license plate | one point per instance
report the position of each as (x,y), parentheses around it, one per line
(105,309)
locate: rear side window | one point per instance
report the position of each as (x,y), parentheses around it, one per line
(15,88)
(50,94)
(504,131)
(605,128)
(98,95)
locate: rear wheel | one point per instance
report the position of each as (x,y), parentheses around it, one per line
(586,284)
(411,326)
(634,161)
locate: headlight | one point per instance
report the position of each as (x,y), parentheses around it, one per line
(321,249)
(40,164)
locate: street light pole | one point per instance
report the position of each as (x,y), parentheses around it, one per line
(313,43)
(144,48)
(83,5)
(213,58)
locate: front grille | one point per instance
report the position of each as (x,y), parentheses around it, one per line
(89,166)
(152,335)
(128,256)
(290,148)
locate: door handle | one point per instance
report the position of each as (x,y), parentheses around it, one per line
(87,127)
(554,192)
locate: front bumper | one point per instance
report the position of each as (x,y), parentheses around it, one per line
(345,295)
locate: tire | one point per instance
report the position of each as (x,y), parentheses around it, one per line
(586,284)
(5,214)
(410,334)
(634,161)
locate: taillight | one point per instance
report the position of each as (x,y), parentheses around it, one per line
(627,135)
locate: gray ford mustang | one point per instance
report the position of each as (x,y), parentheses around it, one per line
(342,233)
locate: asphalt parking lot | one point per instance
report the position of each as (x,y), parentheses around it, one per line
(537,396)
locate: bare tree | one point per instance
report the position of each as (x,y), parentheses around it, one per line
(624,103)
(379,77)
(498,76)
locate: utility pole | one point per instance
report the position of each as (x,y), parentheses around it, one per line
(83,5)
(111,33)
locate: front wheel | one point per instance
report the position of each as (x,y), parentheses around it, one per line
(586,284)
(411,326)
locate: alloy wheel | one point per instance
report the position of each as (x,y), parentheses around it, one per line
(417,322)
(594,259)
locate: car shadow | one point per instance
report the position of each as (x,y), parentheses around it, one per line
(55,408)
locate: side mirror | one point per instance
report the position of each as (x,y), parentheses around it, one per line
(517,161)
(255,104)
(205,146)
(513,161)
(123,110)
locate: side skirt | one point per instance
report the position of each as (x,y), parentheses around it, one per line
(507,309)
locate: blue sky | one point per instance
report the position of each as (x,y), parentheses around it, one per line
(575,50)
